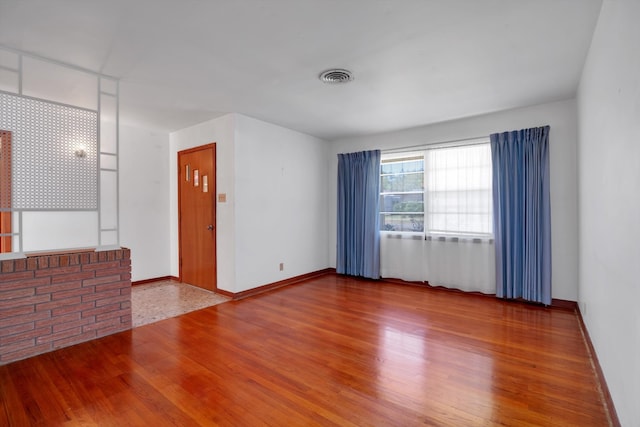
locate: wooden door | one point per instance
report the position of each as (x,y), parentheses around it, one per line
(197,216)
(5,190)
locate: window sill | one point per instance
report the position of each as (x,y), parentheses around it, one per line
(436,238)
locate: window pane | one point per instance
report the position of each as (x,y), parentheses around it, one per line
(402,193)
(459,192)
(412,164)
(412,202)
(402,222)
(413,181)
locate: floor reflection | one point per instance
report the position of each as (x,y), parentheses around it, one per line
(421,368)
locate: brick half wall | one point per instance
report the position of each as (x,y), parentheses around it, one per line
(53,301)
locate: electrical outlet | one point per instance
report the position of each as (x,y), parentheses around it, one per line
(282,266)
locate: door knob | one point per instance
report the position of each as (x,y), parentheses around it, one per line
(210,227)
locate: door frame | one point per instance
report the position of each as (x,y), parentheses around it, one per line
(214,193)
(5,216)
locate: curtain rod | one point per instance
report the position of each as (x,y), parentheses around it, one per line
(440,144)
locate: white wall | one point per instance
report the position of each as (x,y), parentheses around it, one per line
(221,131)
(274,179)
(609,165)
(49,230)
(561,116)
(281,179)
(144,200)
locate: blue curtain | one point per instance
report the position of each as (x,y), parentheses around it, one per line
(358,251)
(522,214)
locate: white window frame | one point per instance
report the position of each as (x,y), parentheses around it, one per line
(427,233)
(399,156)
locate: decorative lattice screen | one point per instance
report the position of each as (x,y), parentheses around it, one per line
(5,169)
(47,173)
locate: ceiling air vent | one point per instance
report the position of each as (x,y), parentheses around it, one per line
(336,75)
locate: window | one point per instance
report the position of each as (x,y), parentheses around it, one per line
(402,193)
(443,191)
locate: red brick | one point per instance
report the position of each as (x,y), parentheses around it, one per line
(101,325)
(105,301)
(72,277)
(57,336)
(72,293)
(111,286)
(62,299)
(101,280)
(58,320)
(109,315)
(43,262)
(101,266)
(34,333)
(7,266)
(76,339)
(16,311)
(24,283)
(16,329)
(84,259)
(18,275)
(94,297)
(59,270)
(52,305)
(32,264)
(54,261)
(17,345)
(16,293)
(23,354)
(69,325)
(63,261)
(99,310)
(26,318)
(28,300)
(107,293)
(119,271)
(68,308)
(20,264)
(53,289)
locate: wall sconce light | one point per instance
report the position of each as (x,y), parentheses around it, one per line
(81,152)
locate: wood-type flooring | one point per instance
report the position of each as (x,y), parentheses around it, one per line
(329,351)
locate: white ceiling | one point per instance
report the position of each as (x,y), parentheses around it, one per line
(415,62)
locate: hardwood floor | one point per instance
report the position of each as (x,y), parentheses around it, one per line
(330,351)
